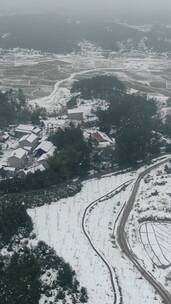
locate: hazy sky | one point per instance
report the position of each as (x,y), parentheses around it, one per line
(14,6)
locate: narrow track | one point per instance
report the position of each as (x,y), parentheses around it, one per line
(112,273)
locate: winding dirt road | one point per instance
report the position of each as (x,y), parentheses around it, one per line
(122,238)
(123,242)
(113,278)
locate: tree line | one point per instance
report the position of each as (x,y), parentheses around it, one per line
(14,109)
(134,121)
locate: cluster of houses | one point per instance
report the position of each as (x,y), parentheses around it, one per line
(31,153)
(78,115)
(32,150)
(83,115)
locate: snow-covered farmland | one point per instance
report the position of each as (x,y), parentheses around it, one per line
(149,226)
(60,225)
(144,73)
(46,78)
(156,240)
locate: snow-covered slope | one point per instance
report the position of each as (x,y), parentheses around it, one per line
(60,225)
(149,225)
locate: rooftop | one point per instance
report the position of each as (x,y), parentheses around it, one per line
(19,153)
(34,169)
(100,136)
(25,128)
(75,110)
(50,153)
(46,146)
(29,138)
(36,130)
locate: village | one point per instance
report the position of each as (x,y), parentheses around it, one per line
(26,148)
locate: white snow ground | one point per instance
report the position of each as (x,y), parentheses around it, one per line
(60,225)
(149,226)
(132,67)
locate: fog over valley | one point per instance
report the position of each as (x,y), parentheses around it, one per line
(85,7)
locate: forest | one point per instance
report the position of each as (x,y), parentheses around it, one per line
(33,262)
(134,121)
(14,109)
(102,87)
(131,119)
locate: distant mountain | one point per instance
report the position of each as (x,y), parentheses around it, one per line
(61,34)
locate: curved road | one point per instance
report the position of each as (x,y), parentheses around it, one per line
(113,278)
(123,243)
(54,99)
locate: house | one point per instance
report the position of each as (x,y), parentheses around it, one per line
(29,140)
(9,172)
(75,114)
(4,136)
(18,158)
(43,148)
(36,131)
(28,149)
(54,124)
(31,170)
(43,159)
(100,139)
(91,118)
(26,129)
(34,169)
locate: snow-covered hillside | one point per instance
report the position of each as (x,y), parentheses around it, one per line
(149,224)
(61,226)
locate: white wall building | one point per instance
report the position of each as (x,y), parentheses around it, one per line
(18,158)
(26,129)
(101,139)
(23,173)
(30,140)
(43,148)
(75,114)
(43,159)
